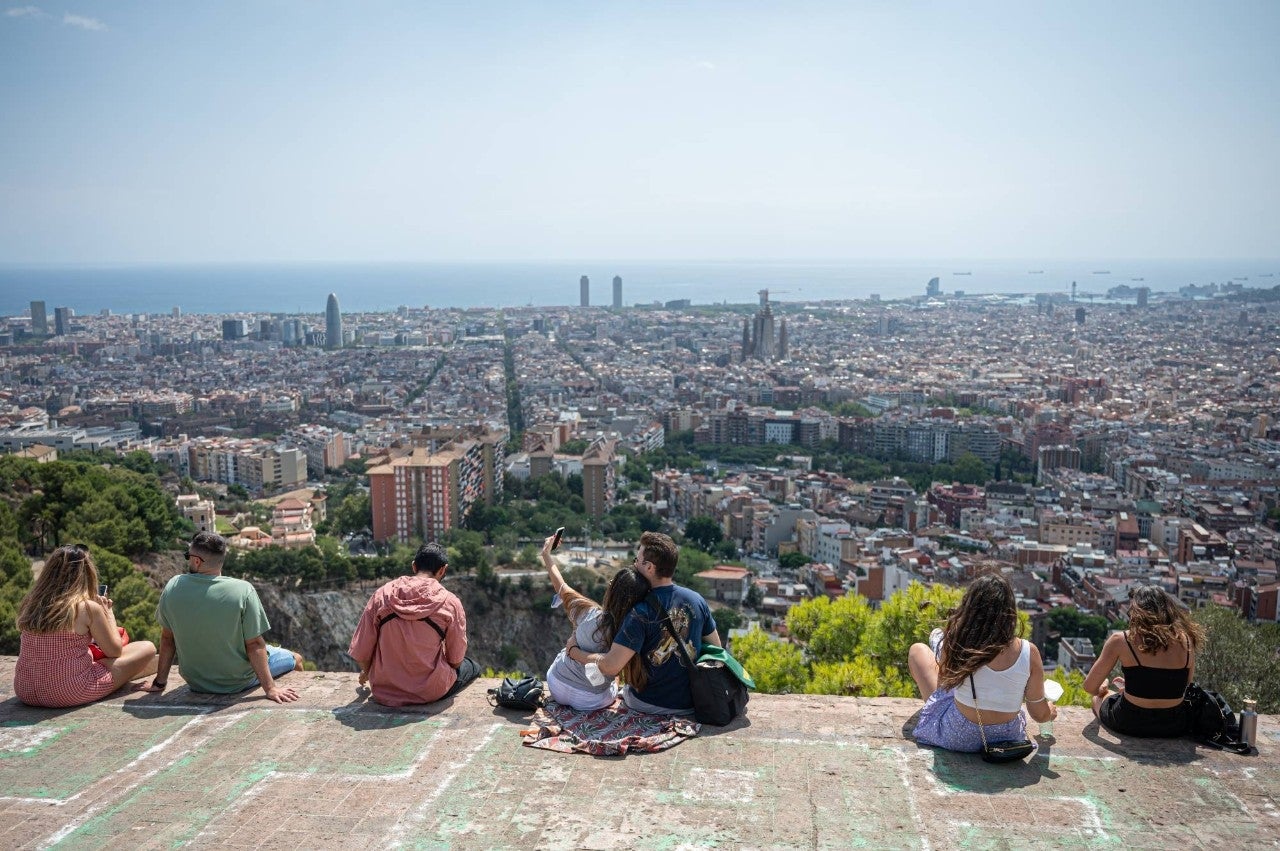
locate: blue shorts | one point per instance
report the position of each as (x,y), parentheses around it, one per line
(942,726)
(279,663)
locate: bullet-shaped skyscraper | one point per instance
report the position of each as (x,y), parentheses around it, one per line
(332,324)
(617,291)
(584,291)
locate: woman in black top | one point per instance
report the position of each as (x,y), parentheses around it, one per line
(1157,657)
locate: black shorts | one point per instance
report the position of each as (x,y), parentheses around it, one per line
(1121,716)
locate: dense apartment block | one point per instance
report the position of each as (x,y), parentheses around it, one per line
(599,477)
(420,493)
(256,465)
(325,448)
(953,499)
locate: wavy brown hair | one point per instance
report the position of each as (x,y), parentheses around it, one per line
(69,577)
(626,588)
(980,627)
(1157,622)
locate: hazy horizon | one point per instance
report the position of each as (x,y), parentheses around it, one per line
(396,132)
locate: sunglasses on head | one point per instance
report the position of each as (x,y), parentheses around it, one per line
(76,552)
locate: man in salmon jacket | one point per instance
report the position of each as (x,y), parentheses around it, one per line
(411,642)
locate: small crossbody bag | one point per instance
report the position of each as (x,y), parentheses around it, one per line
(1010,750)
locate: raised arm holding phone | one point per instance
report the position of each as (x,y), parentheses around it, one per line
(571,682)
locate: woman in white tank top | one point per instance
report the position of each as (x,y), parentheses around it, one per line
(979,651)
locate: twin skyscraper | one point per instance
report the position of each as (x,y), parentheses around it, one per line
(584,287)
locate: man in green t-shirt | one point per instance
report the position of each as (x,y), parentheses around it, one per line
(215,625)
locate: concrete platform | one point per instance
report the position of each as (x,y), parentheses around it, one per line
(335,771)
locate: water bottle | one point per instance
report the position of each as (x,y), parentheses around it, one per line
(1249,723)
(594,675)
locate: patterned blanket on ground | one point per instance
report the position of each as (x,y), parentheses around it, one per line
(612,731)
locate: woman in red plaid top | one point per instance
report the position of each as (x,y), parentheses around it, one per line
(59,616)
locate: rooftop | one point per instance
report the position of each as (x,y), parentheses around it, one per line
(334,771)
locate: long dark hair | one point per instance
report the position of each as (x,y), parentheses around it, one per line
(1156,621)
(626,588)
(980,627)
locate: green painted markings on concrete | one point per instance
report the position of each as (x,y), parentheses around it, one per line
(24,770)
(28,739)
(216,777)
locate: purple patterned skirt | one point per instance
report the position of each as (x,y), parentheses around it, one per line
(942,726)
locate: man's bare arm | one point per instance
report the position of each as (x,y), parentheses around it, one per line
(610,663)
(168,649)
(257,650)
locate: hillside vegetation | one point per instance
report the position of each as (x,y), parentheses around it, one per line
(846,647)
(119,512)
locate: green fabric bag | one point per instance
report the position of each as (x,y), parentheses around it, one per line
(714,653)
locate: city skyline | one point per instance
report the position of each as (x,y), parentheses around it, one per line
(814,131)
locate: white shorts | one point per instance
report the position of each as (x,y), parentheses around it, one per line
(580,699)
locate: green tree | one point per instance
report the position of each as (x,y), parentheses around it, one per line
(1239,659)
(726,619)
(487,519)
(15,580)
(691,563)
(833,630)
(905,618)
(1070,622)
(1073,693)
(970,470)
(466,553)
(703,532)
(793,560)
(777,667)
(859,677)
(353,514)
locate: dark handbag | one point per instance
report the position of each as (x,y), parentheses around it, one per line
(526,694)
(1211,720)
(719,695)
(1009,750)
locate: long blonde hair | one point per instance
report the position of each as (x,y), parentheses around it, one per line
(69,577)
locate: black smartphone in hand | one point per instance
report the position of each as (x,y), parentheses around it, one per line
(555,542)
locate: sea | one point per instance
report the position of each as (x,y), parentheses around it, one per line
(303,288)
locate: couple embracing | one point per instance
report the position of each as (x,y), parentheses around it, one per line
(626,635)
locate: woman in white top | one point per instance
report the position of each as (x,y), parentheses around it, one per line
(594,627)
(979,663)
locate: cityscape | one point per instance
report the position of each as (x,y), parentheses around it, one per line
(639,426)
(1101,445)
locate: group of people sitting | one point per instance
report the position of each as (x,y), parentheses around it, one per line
(73,652)
(411,643)
(976,673)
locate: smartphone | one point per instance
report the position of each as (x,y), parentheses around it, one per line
(102,590)
(555,542)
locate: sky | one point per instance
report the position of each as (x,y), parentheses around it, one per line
(291,131)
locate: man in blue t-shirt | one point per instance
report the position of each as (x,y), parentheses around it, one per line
(666,691)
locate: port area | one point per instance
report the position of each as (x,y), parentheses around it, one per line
(334,770)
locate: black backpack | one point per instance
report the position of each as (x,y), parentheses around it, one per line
(719,696)
(1210,720)
(526,694)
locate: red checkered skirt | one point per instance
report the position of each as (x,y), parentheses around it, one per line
(55,669)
